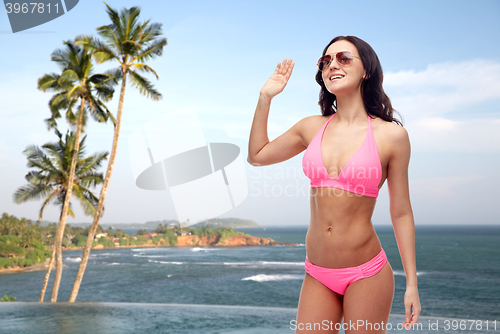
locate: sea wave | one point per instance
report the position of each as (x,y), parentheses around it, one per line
(74,259)
(402,273)
(165,262)
(143,255)
(199,249)
(267,278)
(266,263)
(283,263)
(142,249)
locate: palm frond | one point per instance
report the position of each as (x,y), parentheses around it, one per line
(31,193)
(92,164)
(94,108)
(92,180)
(144,68)
(88,201)
(154,50)
(68,75)
(50,122)
(47,201)
(145,87)
(151,32)
(49,82)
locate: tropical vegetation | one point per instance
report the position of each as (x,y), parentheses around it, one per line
(130,43)
(77,83)
(24,243)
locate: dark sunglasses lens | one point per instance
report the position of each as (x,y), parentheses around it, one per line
(323,62)
(344,58)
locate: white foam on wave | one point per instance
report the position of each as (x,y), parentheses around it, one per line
(265,263)
(165,262)
(267,278)
(402,273)
(142,249)
(141,255)
(282,263)
(74,259)
(199,249)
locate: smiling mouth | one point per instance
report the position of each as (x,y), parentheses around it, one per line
(336,77)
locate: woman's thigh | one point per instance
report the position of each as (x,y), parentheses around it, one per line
(319,308)
(368,302)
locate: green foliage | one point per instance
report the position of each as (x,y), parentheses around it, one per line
(123,242)
(10,239)
(11,248)
(22,254)
(7,299)
(204,231)
(39,245)
(227,232)
(145,232)
(48,179)
(141,240)
(5,263)
(223,232)
(106,243)
(156,239)
(65,242)
(32,256)
(120,234)
(79,240)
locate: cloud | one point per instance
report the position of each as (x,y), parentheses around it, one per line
(442,188)
(449,106)
(455,84)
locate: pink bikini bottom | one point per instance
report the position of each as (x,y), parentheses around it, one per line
(339,279)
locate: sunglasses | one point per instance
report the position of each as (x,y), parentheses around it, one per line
(344,58)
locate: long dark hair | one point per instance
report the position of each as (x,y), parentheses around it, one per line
(376,102)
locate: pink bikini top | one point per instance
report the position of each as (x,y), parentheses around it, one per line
(361,174)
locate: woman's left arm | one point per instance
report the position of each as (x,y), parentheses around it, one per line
(402,218)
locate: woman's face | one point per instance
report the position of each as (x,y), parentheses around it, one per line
(341,79)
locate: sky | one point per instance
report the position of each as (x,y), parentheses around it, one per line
(441,62)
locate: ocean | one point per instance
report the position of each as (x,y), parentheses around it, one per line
(458,271)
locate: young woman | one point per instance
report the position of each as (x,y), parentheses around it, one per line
(350,151)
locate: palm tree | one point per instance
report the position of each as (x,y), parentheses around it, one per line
(76,82)
(49,180)
(131,44)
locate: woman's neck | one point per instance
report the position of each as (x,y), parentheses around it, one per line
(350,109)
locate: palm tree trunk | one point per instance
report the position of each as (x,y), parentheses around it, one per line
(64,213)
(102,196)
(47,275)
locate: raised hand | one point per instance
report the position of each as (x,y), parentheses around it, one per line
(278,80)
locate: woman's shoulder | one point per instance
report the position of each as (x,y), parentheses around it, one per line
(391,131)
(308,126)
(311,122)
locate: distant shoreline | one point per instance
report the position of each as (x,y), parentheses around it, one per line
(44,265)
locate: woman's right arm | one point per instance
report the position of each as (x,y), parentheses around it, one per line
(261,152)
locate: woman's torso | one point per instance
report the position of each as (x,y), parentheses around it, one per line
(341,233)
